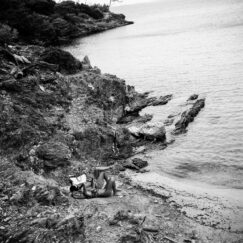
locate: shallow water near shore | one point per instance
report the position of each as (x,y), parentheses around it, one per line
(183,47)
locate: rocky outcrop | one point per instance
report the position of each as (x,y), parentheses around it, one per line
(193,97)
(188,116)
(86,63)
(162,100)
(137,102)
(136,164)
(103,143)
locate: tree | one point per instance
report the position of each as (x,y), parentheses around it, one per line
(7,34)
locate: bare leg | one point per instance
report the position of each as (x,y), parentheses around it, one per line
(101,179)
(86,193)
(110,189)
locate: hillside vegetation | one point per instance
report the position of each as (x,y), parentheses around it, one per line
(50,23)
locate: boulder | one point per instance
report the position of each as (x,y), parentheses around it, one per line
(193,97)
(148,131)
(135,164)
(134,130)
(86,63)
(54,154)
(140,163)
(153,132)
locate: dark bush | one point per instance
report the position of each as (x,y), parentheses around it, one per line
(66,7)
(46,22)
(66,62)
(7,34)
(92,11)
(103,8)
(45,7)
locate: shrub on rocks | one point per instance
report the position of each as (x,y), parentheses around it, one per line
(45,7)
(49,196)
(7,34)
(66,62)
(44,195)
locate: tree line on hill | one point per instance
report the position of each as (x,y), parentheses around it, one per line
(45,21)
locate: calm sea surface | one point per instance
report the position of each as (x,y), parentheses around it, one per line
(182,47)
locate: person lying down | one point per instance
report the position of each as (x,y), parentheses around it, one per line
(100,186)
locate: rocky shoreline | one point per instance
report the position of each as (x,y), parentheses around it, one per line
(57,121)
(60,116)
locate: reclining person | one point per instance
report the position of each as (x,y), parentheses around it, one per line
(108,191)
(77,182)
(100,185)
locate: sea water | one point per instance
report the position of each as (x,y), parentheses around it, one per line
(182,47)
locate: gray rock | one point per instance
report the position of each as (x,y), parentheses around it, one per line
(149,131)
(135,164)
(86,63)
(193,97)
(188,116)
(140,163)
(153,132)
(163,100)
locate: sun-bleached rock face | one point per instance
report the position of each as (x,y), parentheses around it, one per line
(153,132)
(148,131)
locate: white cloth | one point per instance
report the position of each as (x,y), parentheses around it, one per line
(78,180)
